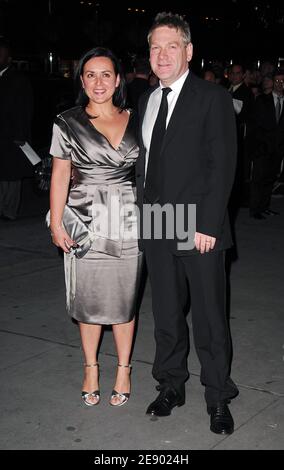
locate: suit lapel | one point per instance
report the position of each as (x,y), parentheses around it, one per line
(182,108)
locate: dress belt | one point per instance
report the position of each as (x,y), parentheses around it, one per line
(78,178)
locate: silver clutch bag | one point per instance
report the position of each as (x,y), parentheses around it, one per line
(76,229)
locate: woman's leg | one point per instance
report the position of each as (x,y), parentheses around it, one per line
(90,337)
(123,337)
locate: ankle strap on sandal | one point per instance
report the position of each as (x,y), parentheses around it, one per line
(122,365)
(91,365)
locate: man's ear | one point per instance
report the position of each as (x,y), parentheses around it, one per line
(189,51)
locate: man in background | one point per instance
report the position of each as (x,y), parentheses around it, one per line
(16,103)
(243,101)
(267,147)
(140,83)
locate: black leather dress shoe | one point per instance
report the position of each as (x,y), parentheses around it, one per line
(221,420)
(164,403)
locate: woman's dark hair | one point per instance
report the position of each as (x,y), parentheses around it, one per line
(119,97)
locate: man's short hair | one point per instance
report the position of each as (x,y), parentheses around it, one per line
(171,20)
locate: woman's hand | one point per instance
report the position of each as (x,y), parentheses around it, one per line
(61,239)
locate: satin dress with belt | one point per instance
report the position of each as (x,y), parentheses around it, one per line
(103,194)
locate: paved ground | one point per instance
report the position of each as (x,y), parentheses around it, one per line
(41,368)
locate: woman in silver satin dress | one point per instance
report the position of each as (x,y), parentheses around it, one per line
(94,147)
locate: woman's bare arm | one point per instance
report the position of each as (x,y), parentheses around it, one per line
(60,179)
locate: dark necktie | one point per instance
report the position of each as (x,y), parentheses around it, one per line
(278,109)
(152,183)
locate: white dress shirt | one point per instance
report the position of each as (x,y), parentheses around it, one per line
(153,109)
(3,71)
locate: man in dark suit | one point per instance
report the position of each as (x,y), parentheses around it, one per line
(267,146)
(187,157)
(140,83)
(16,104)
(243,101)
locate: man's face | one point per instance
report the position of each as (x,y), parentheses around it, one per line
(209,76)
(5,58)
(267,84)
(169,56)
(236,75)
(278,84)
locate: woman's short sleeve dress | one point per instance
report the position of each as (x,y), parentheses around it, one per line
(105,281)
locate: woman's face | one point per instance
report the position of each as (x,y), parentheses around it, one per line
(99,80)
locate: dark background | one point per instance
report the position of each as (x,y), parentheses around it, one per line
(251,29)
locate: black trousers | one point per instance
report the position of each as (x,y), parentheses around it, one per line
(264,175)
(170,277)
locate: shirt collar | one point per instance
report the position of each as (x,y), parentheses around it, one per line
(3,71)
(277,96)
(178,84)
(235,87)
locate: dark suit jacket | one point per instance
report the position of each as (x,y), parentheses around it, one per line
(135,89)
(198,158)
(266,136)
(15,124)
(244,94)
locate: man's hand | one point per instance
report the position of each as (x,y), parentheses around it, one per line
(204,243)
